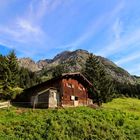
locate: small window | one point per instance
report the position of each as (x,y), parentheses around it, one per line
(72,98)
(69,85)
(80,88)
(76,98)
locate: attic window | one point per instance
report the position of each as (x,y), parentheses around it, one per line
(80,88)
(69,85)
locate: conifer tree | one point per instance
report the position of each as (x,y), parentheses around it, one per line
(14,69)
(4,76)
(9,76)
(91,69)
(95,71)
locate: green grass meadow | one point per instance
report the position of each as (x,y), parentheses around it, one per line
(116,120)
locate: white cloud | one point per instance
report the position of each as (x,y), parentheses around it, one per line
(28,27)
(129,58)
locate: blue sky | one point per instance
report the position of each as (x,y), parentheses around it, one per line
(42,28)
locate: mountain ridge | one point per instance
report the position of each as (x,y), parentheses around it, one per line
(75,61)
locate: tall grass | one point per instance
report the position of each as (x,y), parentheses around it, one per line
(117,120)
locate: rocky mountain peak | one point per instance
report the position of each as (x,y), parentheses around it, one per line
(43,63)
(62,56)
(75,61)
(28,63)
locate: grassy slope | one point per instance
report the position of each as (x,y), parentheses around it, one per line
(118,120)
(128,105)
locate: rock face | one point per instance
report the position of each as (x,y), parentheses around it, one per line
(77,57)
(29,64)
(116,72)
(75,60)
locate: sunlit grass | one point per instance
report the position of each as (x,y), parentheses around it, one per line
(130,105)
(117,120)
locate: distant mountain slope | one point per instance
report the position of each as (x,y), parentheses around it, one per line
(75,60)
(138,79)
(29,64)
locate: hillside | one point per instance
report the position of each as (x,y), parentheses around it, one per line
(117,120)
(75,61)
(137,79)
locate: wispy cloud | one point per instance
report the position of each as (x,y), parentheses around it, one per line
(123,46)
(115,44)
(117,29)
(28,26)
(3,43)
(40,8)
(123,35)
(26,29)
(128,58)
(90,31)
(20,28)
(95,26)
(27,33)
(124,43)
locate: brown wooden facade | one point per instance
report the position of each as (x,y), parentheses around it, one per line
(69,89)
(74,93)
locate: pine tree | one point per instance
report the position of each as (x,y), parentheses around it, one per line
(91,69)
(4,76)
(95,71)
(14,69)
(9,76)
